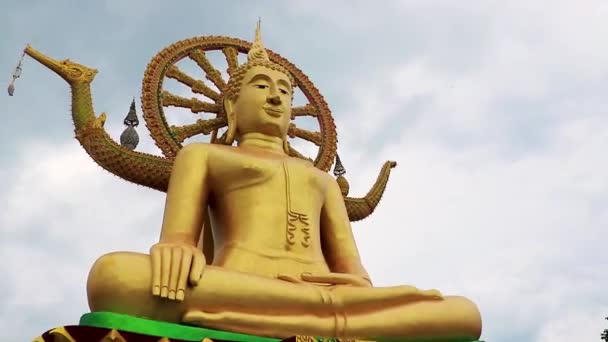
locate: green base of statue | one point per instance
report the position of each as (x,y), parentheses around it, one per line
(108,326)
(159,329)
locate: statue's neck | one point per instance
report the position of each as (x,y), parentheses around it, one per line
(261,141)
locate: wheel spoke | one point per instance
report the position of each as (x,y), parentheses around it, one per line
(181,133)
(231,58)
(307,110)
(194,104)
(207,95)
(197,86)
(313,137)
(212,73)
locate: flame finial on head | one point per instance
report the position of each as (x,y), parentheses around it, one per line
(257,50)
(257,56)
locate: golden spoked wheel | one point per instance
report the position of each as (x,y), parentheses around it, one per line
(169,138)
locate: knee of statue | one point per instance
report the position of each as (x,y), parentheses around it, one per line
(113,277)
(106,266)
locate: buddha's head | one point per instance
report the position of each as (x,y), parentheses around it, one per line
(258,96)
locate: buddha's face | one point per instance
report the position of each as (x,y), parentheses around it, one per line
(264,103)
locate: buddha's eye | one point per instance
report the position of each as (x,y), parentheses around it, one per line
(261,86)
(285,92)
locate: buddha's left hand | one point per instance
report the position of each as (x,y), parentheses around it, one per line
(332,279)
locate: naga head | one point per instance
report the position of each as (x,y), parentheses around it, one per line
(258,96)
(70,71)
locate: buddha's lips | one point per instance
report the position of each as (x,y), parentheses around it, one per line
(274,112)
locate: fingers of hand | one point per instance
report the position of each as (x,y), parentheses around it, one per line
(289,278)
(156,270)
(196,270)
(183,274)
(172,267)
(165,271)
(317,278)
(176,262)
(334,279)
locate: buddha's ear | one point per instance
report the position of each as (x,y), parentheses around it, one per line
(228,105)
(231,120)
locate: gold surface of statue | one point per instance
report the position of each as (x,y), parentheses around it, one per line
(254,239)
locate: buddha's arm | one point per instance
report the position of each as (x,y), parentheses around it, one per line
(186,196)
(339,245)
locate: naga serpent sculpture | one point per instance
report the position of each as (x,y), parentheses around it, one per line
(154,171)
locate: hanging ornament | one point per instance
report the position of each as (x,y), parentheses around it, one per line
(129,137)
(16,75)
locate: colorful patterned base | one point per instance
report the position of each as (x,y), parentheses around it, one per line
(112,327)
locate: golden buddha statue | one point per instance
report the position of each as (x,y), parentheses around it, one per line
(253,240)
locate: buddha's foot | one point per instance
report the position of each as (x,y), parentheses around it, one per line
(278,326)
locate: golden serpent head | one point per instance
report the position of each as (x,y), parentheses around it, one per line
(75,72)
(70,71)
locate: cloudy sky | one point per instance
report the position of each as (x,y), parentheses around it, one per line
(496,112)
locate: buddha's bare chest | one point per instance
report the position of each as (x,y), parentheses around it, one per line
(284,195)
(266,176)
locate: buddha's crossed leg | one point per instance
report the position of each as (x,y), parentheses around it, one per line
(454,318)
(121,282)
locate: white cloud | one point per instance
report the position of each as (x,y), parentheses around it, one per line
(516,231)
(60,212)
(511,234)
(574,326)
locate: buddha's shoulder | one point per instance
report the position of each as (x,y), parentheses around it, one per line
(206,150)
(310,167)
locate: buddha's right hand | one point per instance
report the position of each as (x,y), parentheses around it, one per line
(173,266)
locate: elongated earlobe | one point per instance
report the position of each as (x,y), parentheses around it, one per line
(231,119)
(286,146)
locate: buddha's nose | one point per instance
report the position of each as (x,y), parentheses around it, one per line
(275,100)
